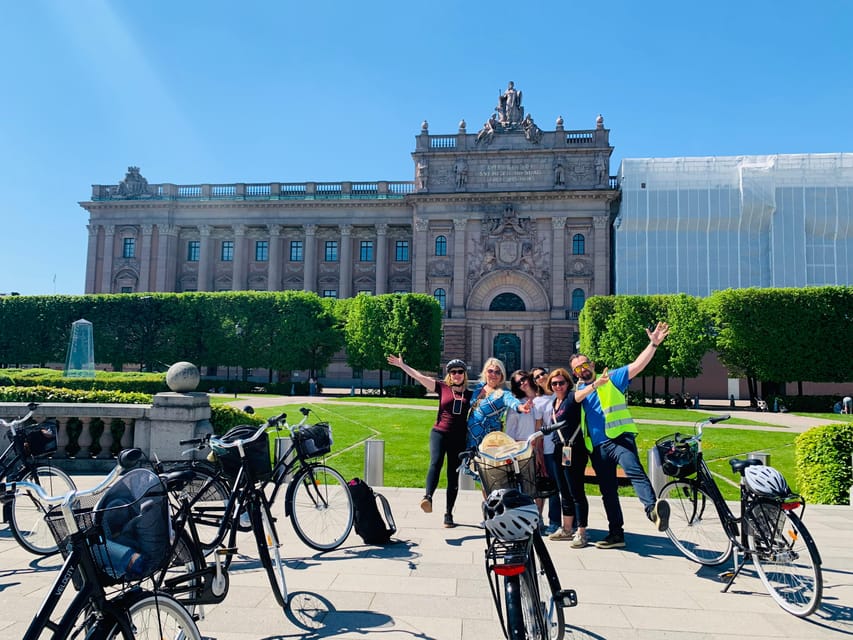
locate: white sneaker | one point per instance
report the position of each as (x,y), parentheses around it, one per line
(245,520)
(560,534)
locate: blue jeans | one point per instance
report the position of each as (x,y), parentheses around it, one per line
(621,451)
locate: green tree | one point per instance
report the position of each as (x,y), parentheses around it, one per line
(690,337)
(414,330)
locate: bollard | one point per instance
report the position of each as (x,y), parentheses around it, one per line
(466,482)
(281,446)
(656,475)
(374,462)
(759,455)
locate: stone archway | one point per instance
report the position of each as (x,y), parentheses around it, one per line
(521,284)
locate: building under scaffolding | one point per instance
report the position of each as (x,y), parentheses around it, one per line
(698,225)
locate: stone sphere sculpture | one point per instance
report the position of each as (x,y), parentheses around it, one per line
(182,377)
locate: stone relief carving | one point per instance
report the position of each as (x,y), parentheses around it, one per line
(133,185)
(440,267)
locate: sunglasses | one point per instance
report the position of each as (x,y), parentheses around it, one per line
(494,372)
(457,372)
(558,383)
(540,375)
(522,380)
(582,366)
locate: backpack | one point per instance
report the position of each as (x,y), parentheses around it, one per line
(369,523)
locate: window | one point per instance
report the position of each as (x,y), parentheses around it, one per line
(368,292)
(331,254)
(296,251)
(401,253)
(227,254)
(193,250)
(441,246)
(330,293)
(129,248)
(578,242)
(507,302)
(127,289)
(578,299)
(441,296)
(262,251)
(366,251)
(357,372)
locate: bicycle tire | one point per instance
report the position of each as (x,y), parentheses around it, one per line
(209,495)
(695,527)
(154,616)
(27,513)
(549,586)
(269,549)
(531,604)
(514,615)
(320,507)
(186,559)
(785,557)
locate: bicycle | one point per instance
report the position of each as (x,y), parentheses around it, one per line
(317,499)
(769,531)
(96,558)
(20,463)
(515,550)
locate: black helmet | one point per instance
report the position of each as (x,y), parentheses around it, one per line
(455,364)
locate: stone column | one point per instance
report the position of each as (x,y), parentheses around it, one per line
(459,277)
(310,257)
(205,258)
(145,257)
(381,258)
(601,258)
(92,258)
(274,266)
(166,258)
(558,268)
(345,271)
(109,253)
(420,251)
(240,266)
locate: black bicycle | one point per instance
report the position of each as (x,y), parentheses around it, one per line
(517,560)
(23,461)
(769,530)
(108,551)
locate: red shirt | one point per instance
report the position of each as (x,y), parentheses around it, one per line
(447,419)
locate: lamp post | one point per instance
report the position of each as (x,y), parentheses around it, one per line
(238,333)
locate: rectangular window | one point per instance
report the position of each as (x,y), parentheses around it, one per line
(127,289)
(296,251)
(193,250)
(129,248)
(401,252)
(357,372)
(227,254)
(262,251)
(330,293)
(331,254)
(366,251)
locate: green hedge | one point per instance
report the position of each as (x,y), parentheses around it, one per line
(127,381)
(223,418)
(805,404)
(56,394)
(824,472)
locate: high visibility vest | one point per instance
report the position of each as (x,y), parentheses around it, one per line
(617,417)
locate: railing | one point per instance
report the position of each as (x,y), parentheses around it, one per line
(580,137)
(442,142)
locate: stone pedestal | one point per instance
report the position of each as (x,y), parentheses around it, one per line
(174,417)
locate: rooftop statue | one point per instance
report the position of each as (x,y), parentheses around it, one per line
(510,111)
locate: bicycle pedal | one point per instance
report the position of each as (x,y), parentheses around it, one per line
(226,551)
(566,598)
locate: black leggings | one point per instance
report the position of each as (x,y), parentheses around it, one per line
(570,481)
(443,444)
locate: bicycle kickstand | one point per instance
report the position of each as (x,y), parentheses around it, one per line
(735,572)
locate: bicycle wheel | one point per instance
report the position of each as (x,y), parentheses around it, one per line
(695,527)
(209,495)
(549,585)
(27,513)
(523,617)
(269,549)
(157,616)
(180,579)
(531,604)
(785,557)
(320,507)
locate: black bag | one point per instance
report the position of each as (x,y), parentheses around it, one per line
(369,523)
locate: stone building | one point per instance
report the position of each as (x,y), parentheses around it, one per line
(508,228)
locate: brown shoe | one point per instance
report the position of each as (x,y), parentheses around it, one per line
(426,504)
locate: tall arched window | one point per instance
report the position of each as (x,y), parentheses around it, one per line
(578,299)
(441,246)
(440,295)
(507,302)
(578,242)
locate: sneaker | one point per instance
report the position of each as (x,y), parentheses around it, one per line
(579,541)
(426,504)
(551,528)
(612,541)
(448,521)
(660,515)
(245,520)
(560,534)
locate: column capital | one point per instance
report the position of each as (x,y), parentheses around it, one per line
(205,229)
(346,229)
(421,224)
(110,228)
(310,229)
(239,229)
(168,229)
(93,229)
(558,223)
(274,229)
(459,224)
(147,229)
(381,228)
(600,222)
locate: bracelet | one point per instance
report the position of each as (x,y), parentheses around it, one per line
(652,344)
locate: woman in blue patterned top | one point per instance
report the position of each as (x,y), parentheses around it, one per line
(490,400)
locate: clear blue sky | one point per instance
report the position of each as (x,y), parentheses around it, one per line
(256,91)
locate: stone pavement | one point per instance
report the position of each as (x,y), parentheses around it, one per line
(431,585)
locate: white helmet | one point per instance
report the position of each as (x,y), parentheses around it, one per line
(510,514)
(766,481)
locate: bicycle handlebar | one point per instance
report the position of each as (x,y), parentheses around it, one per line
(544,431)
(31,407)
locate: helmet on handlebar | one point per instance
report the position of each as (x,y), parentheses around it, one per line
(510,514)
(766,481)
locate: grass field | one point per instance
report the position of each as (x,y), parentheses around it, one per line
(405,432)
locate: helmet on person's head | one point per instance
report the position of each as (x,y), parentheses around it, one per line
(766,481)
(510,515)
(456,363)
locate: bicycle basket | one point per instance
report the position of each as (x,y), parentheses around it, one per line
(130,528)
(678,457)
(38,439)
(257,452)
(494,464)
(313,441)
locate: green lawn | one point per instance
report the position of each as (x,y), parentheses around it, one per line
(406,432)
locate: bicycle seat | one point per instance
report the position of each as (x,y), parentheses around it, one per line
(175,480)
(738,465)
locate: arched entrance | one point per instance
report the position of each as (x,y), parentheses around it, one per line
(507,347)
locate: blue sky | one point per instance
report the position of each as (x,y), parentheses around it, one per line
(257,91)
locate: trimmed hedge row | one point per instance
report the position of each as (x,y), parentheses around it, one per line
(223,418)
(824,472)
(57,394)
(126,381)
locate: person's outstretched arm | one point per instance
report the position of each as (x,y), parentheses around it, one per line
(655,338)
(426,381)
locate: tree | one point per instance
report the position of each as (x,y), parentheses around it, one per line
(415,330)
